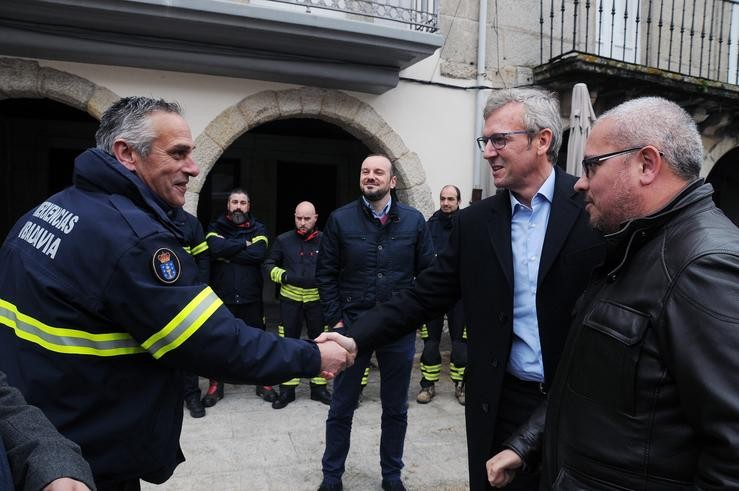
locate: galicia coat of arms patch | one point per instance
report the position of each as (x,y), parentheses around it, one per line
(166,266)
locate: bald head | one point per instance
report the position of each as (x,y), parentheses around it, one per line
(305,217)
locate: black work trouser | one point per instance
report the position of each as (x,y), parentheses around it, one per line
(293,314)
(190,384)
(518,399)
(251,313)
(431,356)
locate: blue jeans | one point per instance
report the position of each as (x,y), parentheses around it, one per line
(395,361)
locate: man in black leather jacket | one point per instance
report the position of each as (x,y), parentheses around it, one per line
(646,395)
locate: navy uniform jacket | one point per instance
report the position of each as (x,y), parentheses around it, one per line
(195,242)
(440,226)
(236,268)
(292,265)
(99,311)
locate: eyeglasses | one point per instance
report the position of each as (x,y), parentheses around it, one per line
(589,163)
(498,140)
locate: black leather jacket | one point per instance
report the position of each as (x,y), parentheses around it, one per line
(647,393)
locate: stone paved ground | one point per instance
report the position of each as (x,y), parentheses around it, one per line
(244,444)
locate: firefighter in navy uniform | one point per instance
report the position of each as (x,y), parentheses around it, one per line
(97,294)
(439,226)
(238,246)
(291,264)
(197,247)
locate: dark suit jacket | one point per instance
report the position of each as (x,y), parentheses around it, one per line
(477,266)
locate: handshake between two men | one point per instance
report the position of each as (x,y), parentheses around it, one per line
(337,353)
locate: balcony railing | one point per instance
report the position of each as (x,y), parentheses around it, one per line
(419,15)
(698,38)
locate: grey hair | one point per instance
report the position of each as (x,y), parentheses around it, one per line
(540,111)
(128,119)
(663,124)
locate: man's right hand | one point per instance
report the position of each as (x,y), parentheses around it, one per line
(502,468)
(334,358)
(347,343)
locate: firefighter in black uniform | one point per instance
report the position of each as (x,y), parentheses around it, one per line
(238,245)
(439,227)
(98,294)
(197,247)
(292,265)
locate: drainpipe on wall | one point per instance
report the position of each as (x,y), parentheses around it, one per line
(479,172)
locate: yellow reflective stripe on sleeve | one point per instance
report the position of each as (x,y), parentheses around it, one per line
(65,340)
(276,274)
(258,238)
(187,249)
(198,249)
(184,324)
(213,234)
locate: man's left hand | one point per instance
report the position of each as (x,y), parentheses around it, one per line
(502,468)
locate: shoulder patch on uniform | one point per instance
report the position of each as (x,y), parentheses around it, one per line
(166,265)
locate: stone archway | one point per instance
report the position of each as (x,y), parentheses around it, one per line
(715,151)
(349,113)
(27,79)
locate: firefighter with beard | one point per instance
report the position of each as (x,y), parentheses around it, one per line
(238,245)
(292,265)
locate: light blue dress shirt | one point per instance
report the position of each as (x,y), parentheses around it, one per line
(528,228)
(383,212)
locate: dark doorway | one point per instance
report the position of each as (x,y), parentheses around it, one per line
(308,181)
(282,163)
(39,140)
(725,180)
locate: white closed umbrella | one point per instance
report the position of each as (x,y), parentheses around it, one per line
(582,117)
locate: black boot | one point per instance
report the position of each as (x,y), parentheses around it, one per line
(215,394)
(320,393)
(267,393)
(195,406)
(287,395)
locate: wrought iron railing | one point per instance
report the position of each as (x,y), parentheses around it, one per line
(419,15)
(692,37)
